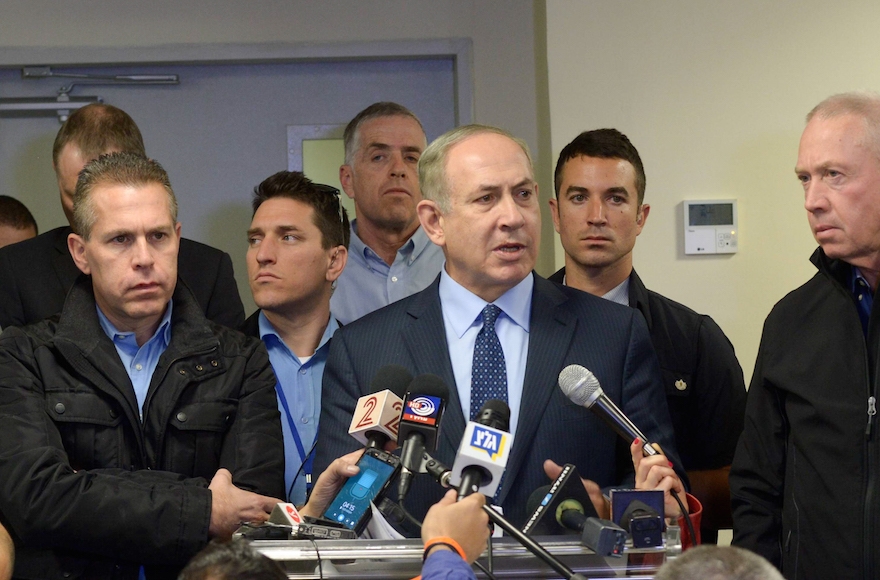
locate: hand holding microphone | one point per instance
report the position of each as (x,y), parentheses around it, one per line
(653,469)
(656,472)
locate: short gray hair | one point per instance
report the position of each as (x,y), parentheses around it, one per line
(718,563)
(352,135)
(432,164)
(863,104)
(128,169)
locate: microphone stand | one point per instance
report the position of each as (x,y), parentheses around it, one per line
(532,546)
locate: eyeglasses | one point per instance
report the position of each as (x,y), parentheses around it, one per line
(330,190)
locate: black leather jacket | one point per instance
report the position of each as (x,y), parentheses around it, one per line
(86,488)
(804,481)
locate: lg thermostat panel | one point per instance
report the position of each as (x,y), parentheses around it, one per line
(710,227)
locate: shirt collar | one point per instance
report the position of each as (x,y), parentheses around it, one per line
(414,246)
(516,303)
(266,329)
(114,333)
(619,293)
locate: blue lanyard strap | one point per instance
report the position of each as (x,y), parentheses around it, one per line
(308,459)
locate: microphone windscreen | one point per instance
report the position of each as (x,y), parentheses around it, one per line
(536,498)
(395,378)
(428,384)
(495,413)
(579,384)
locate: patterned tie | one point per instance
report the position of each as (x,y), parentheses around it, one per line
(489,373)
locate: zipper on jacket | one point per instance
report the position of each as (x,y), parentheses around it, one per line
(872,410)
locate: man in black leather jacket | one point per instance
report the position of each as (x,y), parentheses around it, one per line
(116,415)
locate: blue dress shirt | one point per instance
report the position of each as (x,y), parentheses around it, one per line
(139,362)
(301,385)
(368,283)
(462,319)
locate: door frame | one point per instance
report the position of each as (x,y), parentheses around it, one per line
(460,50)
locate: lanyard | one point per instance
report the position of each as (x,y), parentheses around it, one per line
(307,460)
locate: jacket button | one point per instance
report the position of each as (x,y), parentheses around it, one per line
(112,414)
(200,368)
(214,363)
(181,417)
(59,408)
(182,371)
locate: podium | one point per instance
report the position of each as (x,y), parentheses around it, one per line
(402,559)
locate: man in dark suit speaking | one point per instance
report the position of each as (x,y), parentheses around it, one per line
(481,206)
(35,275)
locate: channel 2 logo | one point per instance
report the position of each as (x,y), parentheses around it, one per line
(422,406)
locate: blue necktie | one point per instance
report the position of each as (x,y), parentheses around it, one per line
(489,373)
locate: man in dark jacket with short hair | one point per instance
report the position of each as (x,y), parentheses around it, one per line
(116,415)
(804,481)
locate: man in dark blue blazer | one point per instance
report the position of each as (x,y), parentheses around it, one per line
(35,275)
(481,206)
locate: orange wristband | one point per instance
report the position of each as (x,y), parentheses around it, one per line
(443,541)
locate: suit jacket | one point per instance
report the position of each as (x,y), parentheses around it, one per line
(702,378)
(567,327)
(36,274)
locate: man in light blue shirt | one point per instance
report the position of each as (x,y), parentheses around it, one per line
(297,248)
(391,257)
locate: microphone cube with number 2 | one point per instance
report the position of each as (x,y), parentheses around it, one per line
(376,413)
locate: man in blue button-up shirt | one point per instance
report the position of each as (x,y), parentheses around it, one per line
(297,248)
(391,257)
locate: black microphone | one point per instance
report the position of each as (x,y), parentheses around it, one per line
(582,387)
(376,416)
(423,407)
(483,452)
(604,537)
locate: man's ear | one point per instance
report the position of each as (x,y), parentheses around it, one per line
(76,245)
(345,179)
(642,216)
(554,212)
(431,219)
(338,259)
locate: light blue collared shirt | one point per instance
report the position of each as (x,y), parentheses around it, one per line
(139,362)
(619,294)
(462,319)
(368,283)
(301,384)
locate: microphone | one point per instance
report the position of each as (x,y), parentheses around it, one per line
(419,426)
(377,416)
(570,513)
(561,506)
(483,452)
(582,387)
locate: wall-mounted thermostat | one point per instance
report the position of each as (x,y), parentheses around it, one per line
(710,227)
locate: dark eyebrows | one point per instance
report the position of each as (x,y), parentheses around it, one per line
(572,189)
(282,229)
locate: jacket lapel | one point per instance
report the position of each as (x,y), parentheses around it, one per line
(425,338)
(550,335)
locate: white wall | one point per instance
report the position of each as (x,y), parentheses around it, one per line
(713,94)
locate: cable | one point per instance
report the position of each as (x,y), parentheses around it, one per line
(300,470)
(318,556)
(687,518)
